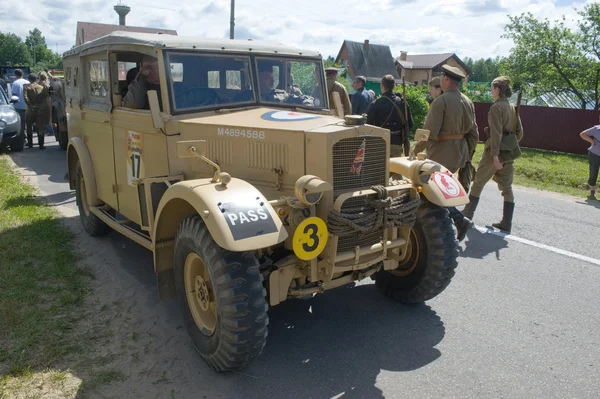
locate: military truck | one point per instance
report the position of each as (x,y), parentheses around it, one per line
(234,173)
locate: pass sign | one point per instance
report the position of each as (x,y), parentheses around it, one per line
(310,238)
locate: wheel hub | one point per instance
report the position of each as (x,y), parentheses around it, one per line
(202,293)
(408,265)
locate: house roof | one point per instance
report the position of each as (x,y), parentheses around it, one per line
(190,42)
(88,31)
(373,63)
(429,61)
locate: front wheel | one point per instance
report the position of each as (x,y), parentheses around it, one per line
(430,262)
(222,298)
(91,223)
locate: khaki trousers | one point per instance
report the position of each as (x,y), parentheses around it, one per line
(396,151)
(503,177)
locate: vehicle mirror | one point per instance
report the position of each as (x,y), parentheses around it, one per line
(155,109)
(191,148)
(421,135)
(14,99)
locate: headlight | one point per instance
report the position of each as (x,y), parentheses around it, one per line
(309,189)
(9,117)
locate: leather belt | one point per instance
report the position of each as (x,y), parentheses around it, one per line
(450,137)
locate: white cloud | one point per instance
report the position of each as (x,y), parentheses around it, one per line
(470,28)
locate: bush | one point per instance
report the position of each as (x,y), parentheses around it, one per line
(416,97)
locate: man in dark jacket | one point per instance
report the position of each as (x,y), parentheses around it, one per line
(388,112)
(362,99)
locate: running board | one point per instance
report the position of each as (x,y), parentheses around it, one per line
(127,231)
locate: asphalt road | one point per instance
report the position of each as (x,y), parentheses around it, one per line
(519,320)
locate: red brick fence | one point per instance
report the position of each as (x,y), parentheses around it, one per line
(555,129)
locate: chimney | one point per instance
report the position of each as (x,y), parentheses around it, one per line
(122,10)
(366,45)
(403,55)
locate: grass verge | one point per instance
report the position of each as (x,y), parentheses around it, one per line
(550,171)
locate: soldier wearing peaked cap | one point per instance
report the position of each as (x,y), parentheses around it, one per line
(453,133)
(505,131)
(36,97)
(333,86)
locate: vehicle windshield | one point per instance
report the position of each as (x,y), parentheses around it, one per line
(292,82)
(199,81)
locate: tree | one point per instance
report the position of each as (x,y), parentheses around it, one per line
(547,58)
(415,97)
(483,70)
(13,51)
(590,32)
(36,43)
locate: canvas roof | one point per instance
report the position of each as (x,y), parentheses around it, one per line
(190,42)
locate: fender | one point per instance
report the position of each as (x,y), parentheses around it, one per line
(77,150)
(438,184)
(237,215)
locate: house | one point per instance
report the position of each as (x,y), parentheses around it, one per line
(88,31)
(372,61)
(419,69)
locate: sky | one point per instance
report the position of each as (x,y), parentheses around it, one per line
(469,28)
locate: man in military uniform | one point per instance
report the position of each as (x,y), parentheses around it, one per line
(36,97)
(388,112)
(453,133)
(333,86)
(147,79)
(269,93)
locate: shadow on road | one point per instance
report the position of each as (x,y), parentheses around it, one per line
(480,245)
(591,202)
(31,159)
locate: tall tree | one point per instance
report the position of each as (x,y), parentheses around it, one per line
(547,57)
(13,51)
(36,43)
(590,32)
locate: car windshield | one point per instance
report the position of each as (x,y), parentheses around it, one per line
(199,81)
(291,82)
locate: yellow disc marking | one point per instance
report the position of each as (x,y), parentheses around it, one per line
(310,238)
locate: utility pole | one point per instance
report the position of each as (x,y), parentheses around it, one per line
(231,23)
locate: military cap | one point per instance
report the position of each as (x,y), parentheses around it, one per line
(332,69)
(32,76)
(435,81)
(265,67)
(502,80)
(453,72)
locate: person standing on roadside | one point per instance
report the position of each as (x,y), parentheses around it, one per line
(44,82)
(36,97)
(592,136)
(20,106)
(435,90)
(504,131)
(452,134)
(362,99)
(333,86)
(388,112)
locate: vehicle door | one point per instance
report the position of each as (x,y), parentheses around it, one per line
(96,126)
(140,149)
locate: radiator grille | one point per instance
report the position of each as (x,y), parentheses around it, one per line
(373,169)
(348,243)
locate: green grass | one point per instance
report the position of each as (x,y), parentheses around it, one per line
(42,288)
(549,170)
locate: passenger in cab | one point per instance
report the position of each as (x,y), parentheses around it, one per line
(146,79)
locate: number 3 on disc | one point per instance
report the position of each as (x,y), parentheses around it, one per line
(310,238)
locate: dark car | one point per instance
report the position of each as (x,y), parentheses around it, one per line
(11,134)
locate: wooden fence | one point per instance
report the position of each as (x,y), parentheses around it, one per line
(554,129)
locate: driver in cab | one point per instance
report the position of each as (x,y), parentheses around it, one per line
(146,79)
(268,92)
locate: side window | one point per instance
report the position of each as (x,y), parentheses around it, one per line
(123,68)
(98,78)
(214,81)
(233,80)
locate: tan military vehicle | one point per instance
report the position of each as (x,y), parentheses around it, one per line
(233,171)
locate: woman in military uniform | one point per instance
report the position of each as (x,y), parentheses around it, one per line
(501,148)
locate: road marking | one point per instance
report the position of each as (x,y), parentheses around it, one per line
(525,241)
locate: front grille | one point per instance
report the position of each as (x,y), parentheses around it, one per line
(373,168)
(347,243)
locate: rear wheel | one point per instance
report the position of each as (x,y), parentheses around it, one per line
(91,223)
(222,298)
(430,262)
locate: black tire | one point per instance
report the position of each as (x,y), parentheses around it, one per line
(18,142)
(428,269)
(234,295)
(62,139)
(91,224)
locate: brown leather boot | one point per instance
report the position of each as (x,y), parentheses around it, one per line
(470,208)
